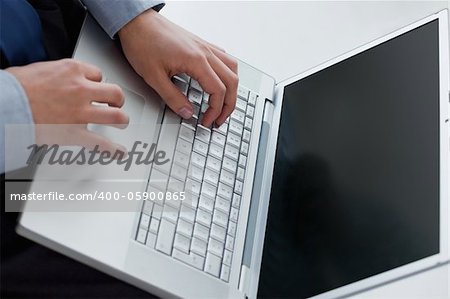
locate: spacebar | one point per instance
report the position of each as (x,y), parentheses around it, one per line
(168,137)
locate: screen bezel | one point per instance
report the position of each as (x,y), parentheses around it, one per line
(444,124)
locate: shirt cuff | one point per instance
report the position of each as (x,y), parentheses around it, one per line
(17,128)
(112,15)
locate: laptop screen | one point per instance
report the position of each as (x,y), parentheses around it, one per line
(355,188)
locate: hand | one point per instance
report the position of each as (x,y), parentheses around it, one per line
(61,92)
(158,49)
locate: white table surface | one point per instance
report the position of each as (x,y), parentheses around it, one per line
(286,38)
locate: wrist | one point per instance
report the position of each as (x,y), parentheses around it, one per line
(139,21)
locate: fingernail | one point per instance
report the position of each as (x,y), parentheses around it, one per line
(186,112)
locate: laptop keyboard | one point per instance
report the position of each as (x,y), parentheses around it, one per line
(210,166)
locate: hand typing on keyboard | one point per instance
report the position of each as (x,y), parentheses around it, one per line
(158,49)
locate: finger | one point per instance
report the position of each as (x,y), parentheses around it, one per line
(216,47)
(111,116)
(227,59)
(107,93)
(91,72)
(202,71)
(172,95)
(230,79)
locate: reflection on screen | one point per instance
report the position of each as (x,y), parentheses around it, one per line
(356,182)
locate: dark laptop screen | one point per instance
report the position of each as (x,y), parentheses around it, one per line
(356,182)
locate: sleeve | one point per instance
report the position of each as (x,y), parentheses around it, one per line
(112,15)
(16,121)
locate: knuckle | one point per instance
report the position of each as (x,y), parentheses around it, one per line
(234,65)
(117,94)
(197,56)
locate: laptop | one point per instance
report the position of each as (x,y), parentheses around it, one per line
(320,186)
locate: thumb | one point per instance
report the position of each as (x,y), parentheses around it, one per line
(173,97)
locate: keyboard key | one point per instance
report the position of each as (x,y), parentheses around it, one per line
(213,163)
(151,240)
(220,218)
(236,201)
(248,123)
(198,246)
(218,138)
(141,235)
(159,179)
(250,111)
(186,133)
(231,228)
(196,85)
(195,96)
(198,160)
(212,264)
(181,159)
(241,105)
(218,233)
(175,185)
(225,191)
(184,227)
(184,77)
(200,147)
(182,243)
(243,92)
(238,187)
(187,213)
(223,129)
(178,172)
(204,107)
(211,177)
(196,113)
(242,161)
(216,151)
(252,99)
(203,217)
(192,186)
(201,231)
(227,177)
(180,84)
(225,273)
(165,237)
(246,136)
(206,204)
(234,214)
(215,247)
(238,115)
(229,165)
(169,213)
(234,140)
(147,207)
(240,174)
(231,152)
(191,259)
(229,243)
(205,97)
(156,213)
(227,257)
(203,134)
(222,205)
(184,146)
(145,221)
(196,173)
(244,148)
(191,123)
(235,127)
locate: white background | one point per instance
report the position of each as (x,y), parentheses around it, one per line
(286,38)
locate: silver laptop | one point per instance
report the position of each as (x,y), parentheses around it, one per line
(321,186)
